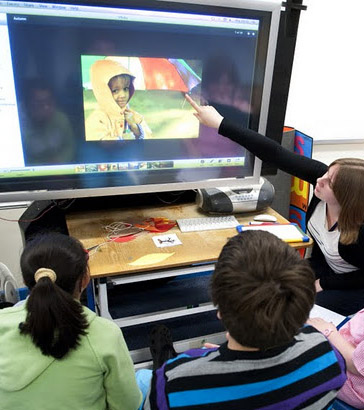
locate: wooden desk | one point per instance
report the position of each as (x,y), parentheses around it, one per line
(115,258)
(198,253)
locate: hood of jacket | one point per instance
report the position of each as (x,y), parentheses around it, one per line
(101,72)
(21,362)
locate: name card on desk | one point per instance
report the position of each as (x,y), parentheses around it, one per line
(289,232)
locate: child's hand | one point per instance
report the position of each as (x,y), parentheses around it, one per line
(207,115)
(342,345)
(322,326)
(210,345)
(133,119)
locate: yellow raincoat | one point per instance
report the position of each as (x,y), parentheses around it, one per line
(108,122)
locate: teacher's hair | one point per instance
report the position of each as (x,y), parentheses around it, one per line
(348,188)
(263,289)
(55,320)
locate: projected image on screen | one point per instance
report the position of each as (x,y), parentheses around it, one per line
(135,98)
(87,110)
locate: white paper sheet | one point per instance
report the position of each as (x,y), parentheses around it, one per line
(161,241)
(326,314)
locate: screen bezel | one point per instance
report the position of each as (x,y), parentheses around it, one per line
(66,187)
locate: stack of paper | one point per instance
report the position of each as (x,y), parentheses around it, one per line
(289,232)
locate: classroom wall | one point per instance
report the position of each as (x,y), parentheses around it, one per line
(327,84)
(329,152)
(326,88)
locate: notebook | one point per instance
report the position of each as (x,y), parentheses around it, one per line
(289,232)
(328,315)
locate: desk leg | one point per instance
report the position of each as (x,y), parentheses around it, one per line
(103,301)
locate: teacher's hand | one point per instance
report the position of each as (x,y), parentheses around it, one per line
(207,115)
(318,286)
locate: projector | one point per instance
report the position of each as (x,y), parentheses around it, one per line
(227,200)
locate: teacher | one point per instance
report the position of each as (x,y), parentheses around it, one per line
(335,215)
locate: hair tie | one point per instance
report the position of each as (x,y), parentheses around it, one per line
(45,272)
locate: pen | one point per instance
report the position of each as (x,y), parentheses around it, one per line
(263,223)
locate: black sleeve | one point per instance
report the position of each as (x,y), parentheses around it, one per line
(352,254)
(330,280)
(342,281)
(270,151)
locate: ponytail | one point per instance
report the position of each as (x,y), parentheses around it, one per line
(55,321)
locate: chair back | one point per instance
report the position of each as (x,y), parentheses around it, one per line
(9,293)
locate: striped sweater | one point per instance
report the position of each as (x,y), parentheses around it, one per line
(304,374)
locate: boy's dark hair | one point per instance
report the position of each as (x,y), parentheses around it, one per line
(263,290)
(55,320)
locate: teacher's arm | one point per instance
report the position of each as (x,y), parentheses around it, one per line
(259,145)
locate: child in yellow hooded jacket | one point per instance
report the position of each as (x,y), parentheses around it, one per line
(113,88)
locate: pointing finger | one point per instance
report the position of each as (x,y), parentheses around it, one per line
(193,103)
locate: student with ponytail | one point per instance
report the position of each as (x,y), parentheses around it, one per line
(56,353)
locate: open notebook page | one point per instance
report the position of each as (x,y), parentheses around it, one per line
(326,314)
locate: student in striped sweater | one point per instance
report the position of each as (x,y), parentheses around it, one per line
(263,292)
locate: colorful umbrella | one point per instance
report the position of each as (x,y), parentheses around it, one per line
(160,73)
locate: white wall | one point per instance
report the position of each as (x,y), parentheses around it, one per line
(327,83)
(329,152)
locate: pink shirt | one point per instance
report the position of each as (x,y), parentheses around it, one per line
(353,390)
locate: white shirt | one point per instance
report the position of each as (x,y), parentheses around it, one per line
(328,241)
